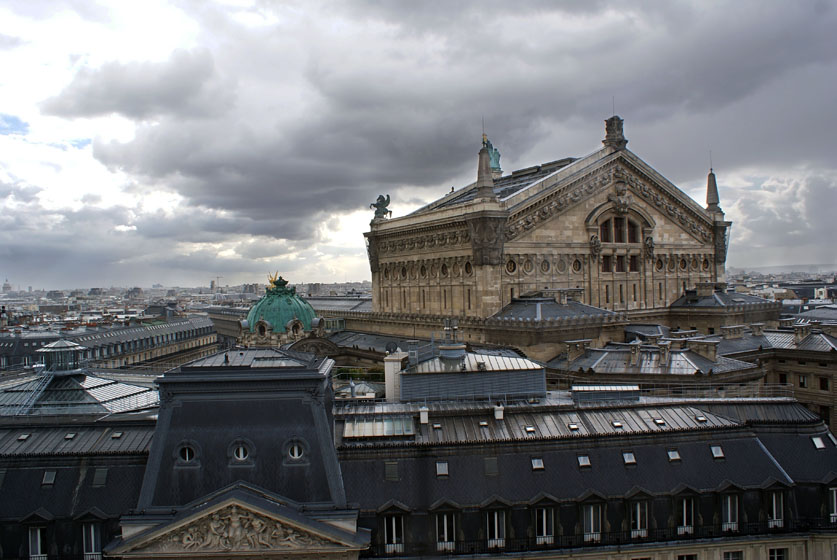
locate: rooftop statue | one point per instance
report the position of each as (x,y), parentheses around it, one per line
(380,207)
(278,286)
(493,153)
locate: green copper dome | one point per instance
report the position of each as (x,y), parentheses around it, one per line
(279,306)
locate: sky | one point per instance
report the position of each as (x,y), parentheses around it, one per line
(185,141)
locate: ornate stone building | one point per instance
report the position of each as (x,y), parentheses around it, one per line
(607,223)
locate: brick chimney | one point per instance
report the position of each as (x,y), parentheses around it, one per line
(800,331)
(577,348)
(706,348)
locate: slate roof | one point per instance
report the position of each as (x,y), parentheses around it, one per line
(547,308)
(717,299)
(253,358)
(815,341)
(822,313)
(616,358)
(50,440)
(337,303)
(81,393)
(506,185)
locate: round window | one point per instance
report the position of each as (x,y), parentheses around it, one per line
(240,452)
(511,266)
(295,451)
(187,454)
(705,264)
(468,268)
(682,264)
(659,265)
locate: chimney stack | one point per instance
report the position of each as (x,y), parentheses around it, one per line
(576,348)
(706,348)
(757,329)
(635,346)
(665,352)
(800,331)
(393,364)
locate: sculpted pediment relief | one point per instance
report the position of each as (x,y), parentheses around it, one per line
(626,184)
(234,528)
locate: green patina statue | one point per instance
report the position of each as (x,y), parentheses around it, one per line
(278,286)
(493,153)
(380,207)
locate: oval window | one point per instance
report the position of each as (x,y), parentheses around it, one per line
(544,266)
(511,266)
(444,270)
(187,454)
(240,452)
(577,266)
(423,271)
(295,451)
(468,268)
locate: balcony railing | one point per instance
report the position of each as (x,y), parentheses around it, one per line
(592,540)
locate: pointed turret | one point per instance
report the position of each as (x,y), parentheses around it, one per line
(485,179)
(712,198)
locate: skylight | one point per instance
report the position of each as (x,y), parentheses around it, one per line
(700,418)
(530,429)
(717,452)
(441,468)
(659,421)
(616,424)
(673,455)
(23,437)
(818,442)
(573,426)
(629,457)
(70,435)
(584,461)
(537,463)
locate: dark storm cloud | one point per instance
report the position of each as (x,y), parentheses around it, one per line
(185,86)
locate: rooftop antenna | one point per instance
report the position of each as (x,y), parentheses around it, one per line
(613,101)
(710,160)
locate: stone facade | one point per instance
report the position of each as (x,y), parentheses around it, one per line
(608,224)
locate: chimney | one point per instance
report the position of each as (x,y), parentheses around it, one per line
(705,289)
(393,364)
(733,331)
(706,348)
(800,331)
(757,329)
(786,321)
(577,348)
(635,345)
(498,412)
(665,352)
(485,180)
(424,413)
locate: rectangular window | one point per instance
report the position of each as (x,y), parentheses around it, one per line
(445,532)
(729,512)
(495,528)
(775,510)
(607,263)
(734,555)
(660,290)
(633,232)
(37,543)
(441,468)
(621,293)
(783,378)
(687,557)
(777,554)
(393,533)
(391,471)
(832,505)
(685,516)
(639,520)
(803,381)
(620,263)
(490,466)
(592,514)
(823,383)
(607,294)
(634,290)
(544,533)
(92,541)
(604,232)
(633,263)
(618,230)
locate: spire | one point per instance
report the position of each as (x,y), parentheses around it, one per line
(485,180)
(712,198)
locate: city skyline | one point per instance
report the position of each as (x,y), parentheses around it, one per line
(174,143)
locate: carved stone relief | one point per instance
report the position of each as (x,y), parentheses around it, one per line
(235,529)
(487,235)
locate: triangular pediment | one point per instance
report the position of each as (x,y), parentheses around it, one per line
(232,527)
(620,180)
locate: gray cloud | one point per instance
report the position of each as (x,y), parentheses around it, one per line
(270,132)
(186,86)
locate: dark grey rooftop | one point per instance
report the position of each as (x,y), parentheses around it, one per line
(506,185)
(546,308)
(615,358)
(785,339)
(718,299)
(340,303)
(823,313)
(254,358)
